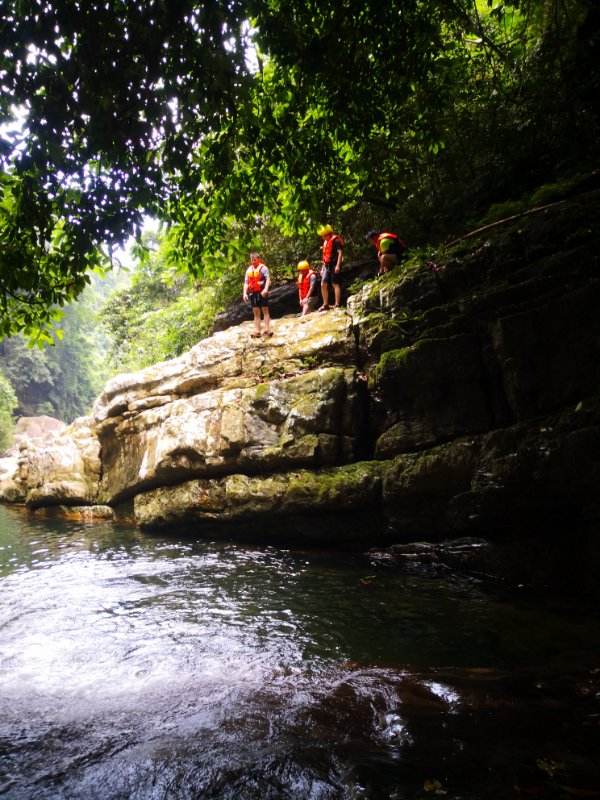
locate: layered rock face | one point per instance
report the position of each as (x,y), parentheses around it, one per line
(486,367)
(232,406)
(14,462)
(454,398)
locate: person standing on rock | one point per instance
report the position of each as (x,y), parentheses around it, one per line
(333,248)
(308,288)
(390,249)
(256,291)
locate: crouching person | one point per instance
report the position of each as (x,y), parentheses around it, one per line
(390,249)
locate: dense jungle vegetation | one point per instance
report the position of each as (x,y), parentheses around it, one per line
(63,380)
(245,124)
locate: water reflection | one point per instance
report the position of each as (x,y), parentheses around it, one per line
(156,667)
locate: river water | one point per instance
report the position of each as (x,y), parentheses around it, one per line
(136,667)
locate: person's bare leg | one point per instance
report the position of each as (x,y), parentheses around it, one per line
(256,312)
(337,290)
(267,320)
(387,261)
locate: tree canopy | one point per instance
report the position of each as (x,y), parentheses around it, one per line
(219,116)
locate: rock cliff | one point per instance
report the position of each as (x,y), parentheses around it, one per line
(454,397)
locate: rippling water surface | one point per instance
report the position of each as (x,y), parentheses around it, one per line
(136,666)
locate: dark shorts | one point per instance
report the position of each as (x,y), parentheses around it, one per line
(257,300)
(328,274)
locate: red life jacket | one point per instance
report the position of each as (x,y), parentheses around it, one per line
(255,279)
(398,247)
(328,246)
(304,283)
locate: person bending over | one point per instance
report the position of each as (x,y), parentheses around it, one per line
(390,249)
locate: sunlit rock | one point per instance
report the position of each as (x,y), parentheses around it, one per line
(66,469)
(28,431)
(12,490)
(233,404)
(300,420)
(231,359)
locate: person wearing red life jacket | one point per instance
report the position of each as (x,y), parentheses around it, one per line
(390,249)
(333,248)
(308,288)
(256,290)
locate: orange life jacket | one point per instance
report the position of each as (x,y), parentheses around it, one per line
(398,247)
(255,279)
(304,282)
(328,246)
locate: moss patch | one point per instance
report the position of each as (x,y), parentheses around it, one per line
(261,389)
(390,361)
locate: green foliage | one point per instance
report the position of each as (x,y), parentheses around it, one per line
(420,114)
(162,313)
(61,380)
(529,201)
(8,403)
(43,265)
(28,372)
(114,102)
(282,253)
(163,332)
(413,109)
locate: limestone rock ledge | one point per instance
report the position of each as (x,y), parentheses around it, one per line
(508,482)
(29,432)
(301,505)
(63,470)
(230,404)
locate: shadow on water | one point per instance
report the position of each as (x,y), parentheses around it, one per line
(163,667)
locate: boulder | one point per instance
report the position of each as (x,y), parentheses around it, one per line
(303,504)
(12,490)
(233,403)
(33,428)
(231,359)
(306,419)
(64,470)
(13,473)
(76,513)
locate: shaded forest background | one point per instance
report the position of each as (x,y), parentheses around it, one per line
(246,125)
